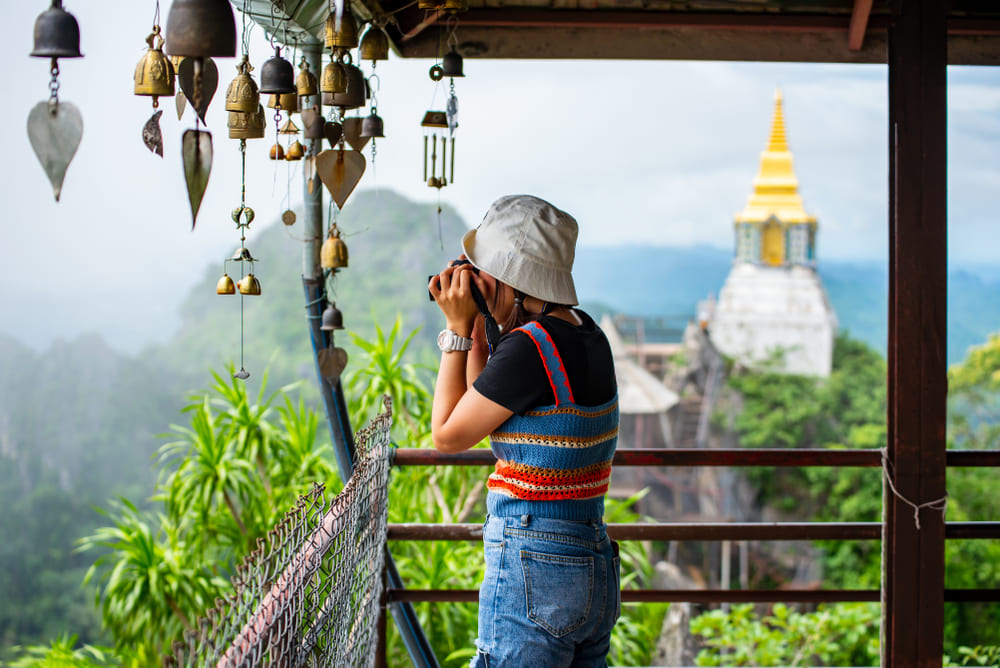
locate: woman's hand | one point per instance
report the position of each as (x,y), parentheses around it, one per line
(452,291)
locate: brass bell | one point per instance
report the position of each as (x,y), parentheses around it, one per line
(296,151)
(356,92)
(429,5)
(249,285)
(334,78)
(305,83)
(242,94)
(372,126)
(315,128)
(246,125)
(452,64)
(374,45)
(277,75)
(154,74)
(289,128)
(289,102)
(57,34)
(332,318)
(277,152)
(454,6)
(225,286)
(201,28)
(347,35)
(333,253)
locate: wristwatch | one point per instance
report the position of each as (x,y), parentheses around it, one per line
(449,341)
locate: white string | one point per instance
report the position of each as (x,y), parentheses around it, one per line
(938,504)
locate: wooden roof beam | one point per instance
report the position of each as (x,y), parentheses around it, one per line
(859,24)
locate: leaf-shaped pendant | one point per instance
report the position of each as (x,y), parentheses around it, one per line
(209,83)
(352,133)
(332,362)
(151,135)
(340,172)
(197,153)
(55,132)
(180,102)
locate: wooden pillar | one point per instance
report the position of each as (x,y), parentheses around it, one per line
(913,559)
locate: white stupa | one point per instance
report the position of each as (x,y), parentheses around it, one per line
(773,311)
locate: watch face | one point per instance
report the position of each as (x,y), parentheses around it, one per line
(445,340)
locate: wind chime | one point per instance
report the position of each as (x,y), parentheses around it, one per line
(374,47)
(55,128)
(434,121)
(154,77)
(307,88)
(198,30)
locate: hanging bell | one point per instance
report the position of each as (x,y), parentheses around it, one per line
(296,151)
(277,75)
(289,102)
(455,6)
(372,125)
(247,125)
(249,285)
(225,286)
(242,94)
(452,64)
(315,127)
(154,74)
(332,318)
(201,28)
(57,34)
(334,78)
(356,92)
(333,253)
(305,83)
(344,36)
(374,45)
(277,152)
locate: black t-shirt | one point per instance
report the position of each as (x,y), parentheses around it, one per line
(515,377)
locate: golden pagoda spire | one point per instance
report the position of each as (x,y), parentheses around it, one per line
(775,189)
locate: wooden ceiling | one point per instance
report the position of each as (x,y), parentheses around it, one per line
(849,31)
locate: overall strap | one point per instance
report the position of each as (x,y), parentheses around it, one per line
(551,360)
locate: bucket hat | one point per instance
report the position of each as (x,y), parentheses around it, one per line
(528,244)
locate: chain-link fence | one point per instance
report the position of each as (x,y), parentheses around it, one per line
(309,594)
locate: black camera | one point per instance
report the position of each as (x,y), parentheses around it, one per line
(455,263)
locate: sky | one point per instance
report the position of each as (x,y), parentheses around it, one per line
(648,152)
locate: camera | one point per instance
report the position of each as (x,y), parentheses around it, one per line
(455,263)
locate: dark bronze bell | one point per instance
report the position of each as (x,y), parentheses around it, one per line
(372,126)
(333,253)
(332,319)
(315,127)
(201,28)
(242,94)
(277,75)
(356,92)
(374,45)
(452,64)
(347,35)
(305,83)
(57,34)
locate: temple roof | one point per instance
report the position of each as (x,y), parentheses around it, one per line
(775,188)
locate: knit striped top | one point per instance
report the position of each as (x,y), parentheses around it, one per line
(553,461)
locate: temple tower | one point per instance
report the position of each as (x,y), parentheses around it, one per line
(773,310)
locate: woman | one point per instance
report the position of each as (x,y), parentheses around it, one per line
(547,398)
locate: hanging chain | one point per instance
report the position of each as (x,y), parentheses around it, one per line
(54,86)
(243,191)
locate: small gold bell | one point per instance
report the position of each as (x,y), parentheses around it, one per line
(347,35)
(225,286)
(333,254)
(374,45)
(296,151)
(242,94)
(249,285)
(277,152)
(154,74)
(305,83)
(289,102)
(334,78)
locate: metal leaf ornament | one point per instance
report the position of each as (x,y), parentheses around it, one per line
(151,135)
(55,131)
(352,133)
(332,362)
(197,155)
(209,83)
(340,172)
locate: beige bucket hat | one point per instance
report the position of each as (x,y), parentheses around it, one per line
(528,244)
